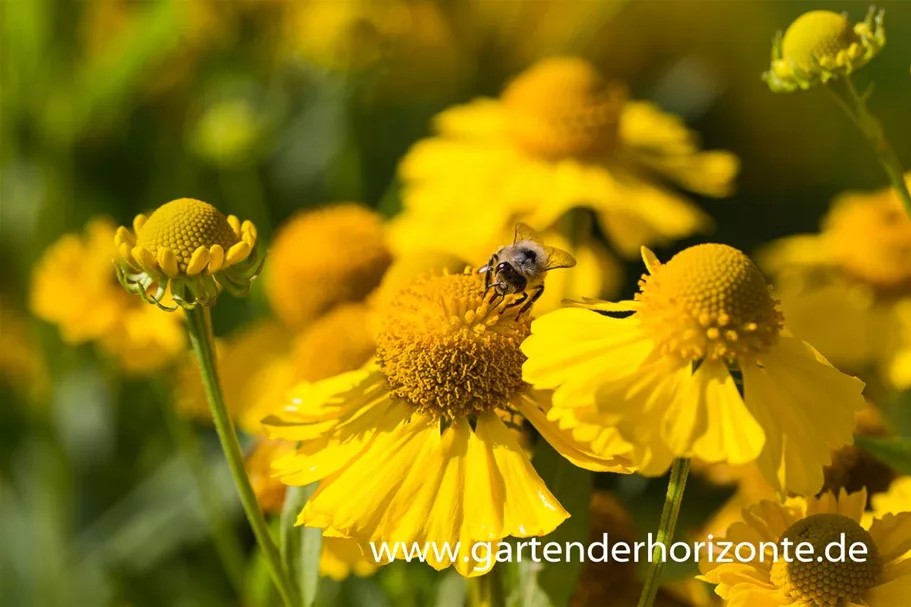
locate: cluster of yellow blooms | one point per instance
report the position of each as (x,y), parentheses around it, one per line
(391,377)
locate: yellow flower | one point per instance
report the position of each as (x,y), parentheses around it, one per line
(228,132)
(323,258)
(847,289)
(416,435)
(559,137)
(897,499)
(74,286)
(341,557)
(270,493)
(881,580)
(189,247)
(664,377)
(822,45)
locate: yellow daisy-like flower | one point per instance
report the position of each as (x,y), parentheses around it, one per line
(325,257)
(847,289)
(559,137)
(189,247)
(98,310)
(822,45)
(879,579)
(666,377)
(417,435)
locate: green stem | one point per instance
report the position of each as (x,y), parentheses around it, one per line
(872,129)
(226,543)
(675,486)
(199,326)
(486,590)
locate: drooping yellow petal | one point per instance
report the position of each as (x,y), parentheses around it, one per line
(807,405)
(374,478)
(892,534)
(529,508)
(535,407)
(730,432)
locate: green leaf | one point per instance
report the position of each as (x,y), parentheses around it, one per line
(894,452)
(301,546)
(572,486)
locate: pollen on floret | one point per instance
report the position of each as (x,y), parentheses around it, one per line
(709,302)
(563,107)
(448,350)
(827,582)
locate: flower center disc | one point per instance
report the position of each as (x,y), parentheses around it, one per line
(445,349)
(827,583)
(815,36)
(183,226)
(709,301)
(562,107)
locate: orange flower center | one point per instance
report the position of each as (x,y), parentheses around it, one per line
(709,301)
(562,107)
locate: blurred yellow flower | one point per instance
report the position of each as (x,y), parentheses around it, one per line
(559,137)
(241,358)
(325,257)
(21,365)
(74,286)
(666,377)
(847,289)
(417,430)
(189,248)
(897,499)
(228,132)
(409,47)
(882,580)
(821,45)
(342,556)
(270,493)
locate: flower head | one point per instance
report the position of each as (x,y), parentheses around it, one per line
(847,288)
(98,310)
(880,579)
(560,137)
(325,257)
(419,430)
(821,45)
(189,247)
(702,368)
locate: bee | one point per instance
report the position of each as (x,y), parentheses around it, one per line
(521,266)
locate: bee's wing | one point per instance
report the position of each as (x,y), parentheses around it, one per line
(558,258)
(526,232)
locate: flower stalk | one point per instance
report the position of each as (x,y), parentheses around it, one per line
(486,590)
(199,326)
(675,486)
(872,130)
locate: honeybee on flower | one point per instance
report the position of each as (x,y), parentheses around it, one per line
(520,267)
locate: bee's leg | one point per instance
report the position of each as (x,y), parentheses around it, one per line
(496,286)
(535,297)
(517,302)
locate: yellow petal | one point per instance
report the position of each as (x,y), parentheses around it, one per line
(124,237)
(806,408)
(237,253)
(139,221)
(892,535)
(374,478)
(895,590)
(216,258)
(145,259)
(234,222)
(529,508)
(534,409)
(574,351)
(168,261)
(730,432)
(198,261)
(649,259)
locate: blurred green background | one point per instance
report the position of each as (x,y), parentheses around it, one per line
(267,107)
